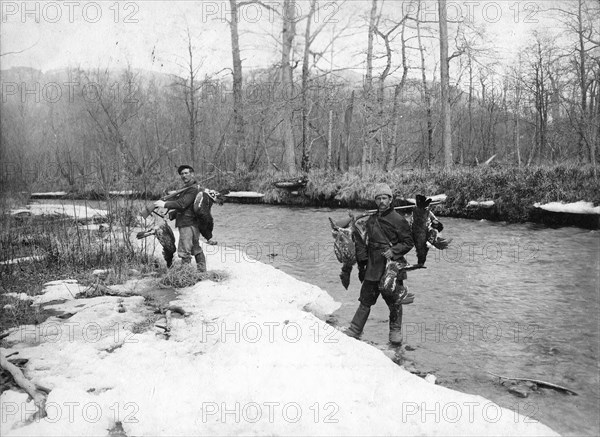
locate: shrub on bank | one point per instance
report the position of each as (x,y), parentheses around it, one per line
(64,249)
(514,190)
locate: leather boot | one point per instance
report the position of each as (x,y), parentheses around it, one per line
(201,262)
(396,324)
(358,321)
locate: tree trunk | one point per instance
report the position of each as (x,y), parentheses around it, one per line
(288,34)
(306,164)
(445,83)
(471,127)
(369,75)
(329,140)
(370,131)
(192,110)
(238,101)
(393,149)
(516,119)
(347,127)
(426,97)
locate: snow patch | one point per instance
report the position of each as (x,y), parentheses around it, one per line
(50,194)
(244,194)
(580,207)
(20,296)
(75,211)
(249,359)
(483,204)
(59,290)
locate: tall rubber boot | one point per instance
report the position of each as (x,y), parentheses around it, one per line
(358,321)
(201,262)
(396,324)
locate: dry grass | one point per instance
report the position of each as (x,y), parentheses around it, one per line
(146,324)
(186,275)
(514,189)
(69,251)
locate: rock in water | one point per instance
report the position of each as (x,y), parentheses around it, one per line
(430,378)
(520,391)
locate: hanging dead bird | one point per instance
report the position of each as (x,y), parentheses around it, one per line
(166,238)
(202,206)
(433,233)
(344,250)
(420,219)
(425,229)
(346,232)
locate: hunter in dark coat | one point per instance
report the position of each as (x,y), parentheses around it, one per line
(388,237)
(186,220)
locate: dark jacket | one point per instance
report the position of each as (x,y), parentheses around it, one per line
(383,231)
(184,205)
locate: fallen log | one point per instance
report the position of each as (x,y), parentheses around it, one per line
(38,398)
(539,383)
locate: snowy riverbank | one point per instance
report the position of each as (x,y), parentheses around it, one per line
(251,359)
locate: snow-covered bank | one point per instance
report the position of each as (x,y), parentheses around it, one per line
(69,210)
(49,195)
(251,359)
(580,207)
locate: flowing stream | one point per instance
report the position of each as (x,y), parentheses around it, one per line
(519,300)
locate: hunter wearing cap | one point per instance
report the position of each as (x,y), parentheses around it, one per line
(186,220)
(388,237)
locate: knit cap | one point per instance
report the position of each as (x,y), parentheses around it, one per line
(381,189)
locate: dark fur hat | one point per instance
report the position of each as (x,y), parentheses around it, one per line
(183,167)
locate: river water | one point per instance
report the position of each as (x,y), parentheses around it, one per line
(513,299)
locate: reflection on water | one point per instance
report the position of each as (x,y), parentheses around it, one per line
(515,300)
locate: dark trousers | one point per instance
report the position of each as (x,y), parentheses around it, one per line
(369,292)
(188,244)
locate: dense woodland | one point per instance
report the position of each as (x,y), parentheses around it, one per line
(427,94)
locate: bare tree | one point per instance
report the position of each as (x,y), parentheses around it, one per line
(516,80)
(425,95)
(398,90)
(373,17)
(348,114)
(287,37)
(445,83)
(308,38)
(238,101)
(191,86)
(581,20)
(370,117)
(541,56)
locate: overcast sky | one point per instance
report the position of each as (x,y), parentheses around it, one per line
(150,34)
